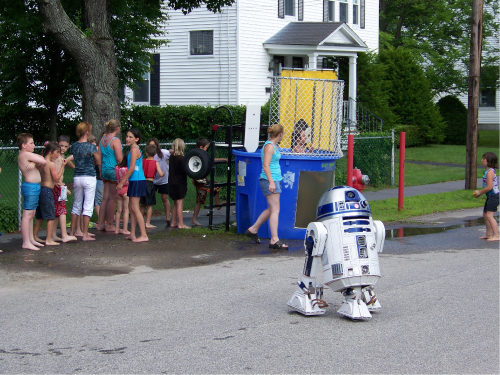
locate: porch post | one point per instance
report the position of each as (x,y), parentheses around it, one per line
(352,88)
(313,62)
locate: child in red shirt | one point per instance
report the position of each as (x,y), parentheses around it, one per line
(150,167)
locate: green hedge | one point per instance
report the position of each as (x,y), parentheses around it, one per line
(414,137)
(170,122)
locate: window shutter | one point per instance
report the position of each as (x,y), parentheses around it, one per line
(155,81)
(325,10)
(301,10)
(281,8)
(362,14)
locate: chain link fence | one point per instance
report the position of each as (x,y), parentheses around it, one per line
(310,111)
(11,179)
(373,155)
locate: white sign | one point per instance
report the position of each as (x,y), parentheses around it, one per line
(252,128)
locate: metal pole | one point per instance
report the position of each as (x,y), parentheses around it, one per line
(350,154)
(401,193)
(392,159)
(19,205)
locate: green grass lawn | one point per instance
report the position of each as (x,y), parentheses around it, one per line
(387,209)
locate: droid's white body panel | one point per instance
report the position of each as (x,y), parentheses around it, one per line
(347,241)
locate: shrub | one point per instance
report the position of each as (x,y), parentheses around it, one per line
(414,137)
(8,221)
(454,114)
(170,122)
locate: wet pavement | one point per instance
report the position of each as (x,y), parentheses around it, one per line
(171,248)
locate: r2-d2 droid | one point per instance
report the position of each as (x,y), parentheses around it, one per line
(347,241)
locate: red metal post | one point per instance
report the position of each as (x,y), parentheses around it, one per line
(350,148)
(401,193)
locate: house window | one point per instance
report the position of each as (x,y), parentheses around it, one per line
(141,93)
(487,98)
(201,42)
(362,14)
(355,12)
(297,62)
(343,11)
(289,7)
(331,11)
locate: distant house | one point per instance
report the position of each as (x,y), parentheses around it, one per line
(227,58)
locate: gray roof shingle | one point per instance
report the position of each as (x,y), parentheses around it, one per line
(304,33)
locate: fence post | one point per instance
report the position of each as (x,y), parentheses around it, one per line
(402,142)
(19,208)
(392,159)
(350,146)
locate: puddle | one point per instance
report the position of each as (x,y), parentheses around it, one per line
(417,231)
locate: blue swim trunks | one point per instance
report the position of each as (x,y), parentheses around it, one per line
(31,193)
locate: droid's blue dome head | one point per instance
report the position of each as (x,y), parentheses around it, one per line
(342,200)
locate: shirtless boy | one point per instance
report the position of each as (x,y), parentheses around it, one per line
(30,189)
(50,177)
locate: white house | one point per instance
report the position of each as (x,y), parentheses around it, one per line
(227,58)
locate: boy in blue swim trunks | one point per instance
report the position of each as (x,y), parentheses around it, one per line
(30,189)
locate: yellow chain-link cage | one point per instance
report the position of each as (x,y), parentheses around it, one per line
(308,104)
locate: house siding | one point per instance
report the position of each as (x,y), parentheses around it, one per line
(205,79)
(237,72)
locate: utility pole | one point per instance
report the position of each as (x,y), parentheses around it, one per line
(476,38)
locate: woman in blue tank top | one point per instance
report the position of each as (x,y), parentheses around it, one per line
(110,150)
(136,185)
(270,184)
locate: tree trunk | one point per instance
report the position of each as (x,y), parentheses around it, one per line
(473,97)
(94,55)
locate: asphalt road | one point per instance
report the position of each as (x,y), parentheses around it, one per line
(439,294)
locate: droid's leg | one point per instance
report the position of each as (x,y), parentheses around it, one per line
(308,300)
(353,306)
(370,299)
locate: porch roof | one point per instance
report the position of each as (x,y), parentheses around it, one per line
(310,37)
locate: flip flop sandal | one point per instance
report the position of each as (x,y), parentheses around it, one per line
(278,246)
(253,236)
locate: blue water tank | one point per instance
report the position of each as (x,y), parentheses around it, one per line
(305,179)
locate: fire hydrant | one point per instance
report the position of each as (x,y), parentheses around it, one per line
(359,180)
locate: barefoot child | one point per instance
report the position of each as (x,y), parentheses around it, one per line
(122,201)
(136,185)
(150,167)
(50,177)
(177,183)
(60,202)
(201,185)
(30,188)
(161,183)
(490,188)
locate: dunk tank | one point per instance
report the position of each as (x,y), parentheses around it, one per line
(308,104)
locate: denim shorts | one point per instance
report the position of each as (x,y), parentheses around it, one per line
(491,203)
(264,186)
(99,190)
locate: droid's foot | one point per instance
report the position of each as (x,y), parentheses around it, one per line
(355,309)
(353,306)
(307,304)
